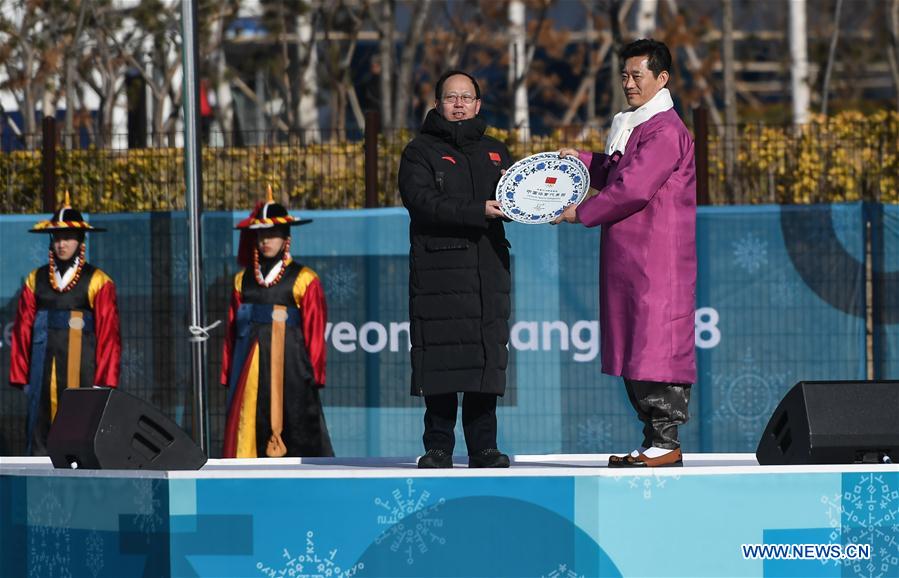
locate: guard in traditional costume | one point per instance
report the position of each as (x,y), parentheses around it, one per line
(274,355)
(66,332)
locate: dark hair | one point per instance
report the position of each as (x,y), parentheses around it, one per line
(659,55)
(68,233)
(76,234)
(438,90)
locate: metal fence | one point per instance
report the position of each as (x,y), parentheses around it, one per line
(847,157)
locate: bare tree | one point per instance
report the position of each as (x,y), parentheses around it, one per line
(646,18)
(521,57)
(34,38)
(596,53)
(404,82)
(518,67)
(617,11)
(730,97)
(71,57)
(473,36)
(384,20)
(831,55)
(104,65)
(307,56)
(341,23)
(154,52)
(694,62)
(893,49)
(396,72)
(291,25)
(799,62)
(224,110)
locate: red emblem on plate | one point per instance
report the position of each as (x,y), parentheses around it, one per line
(550,180)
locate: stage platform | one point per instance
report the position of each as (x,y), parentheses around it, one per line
(557,516)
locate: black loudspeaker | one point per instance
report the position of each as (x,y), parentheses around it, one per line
(833,422)
(103,428)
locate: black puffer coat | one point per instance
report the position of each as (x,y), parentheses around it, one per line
(459,276)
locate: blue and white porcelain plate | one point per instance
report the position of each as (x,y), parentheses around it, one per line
(537,188)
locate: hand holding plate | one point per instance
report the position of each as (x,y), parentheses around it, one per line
(493,211)
(569,215)
(537,189)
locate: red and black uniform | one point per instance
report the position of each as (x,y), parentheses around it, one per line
(274,360)
(65,335)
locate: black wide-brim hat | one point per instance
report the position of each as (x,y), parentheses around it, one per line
(65,219)
(269,215)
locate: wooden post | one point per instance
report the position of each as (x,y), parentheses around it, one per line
(701,147)
(48,164)
(372,128)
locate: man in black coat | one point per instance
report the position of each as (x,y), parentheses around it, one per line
(459,277)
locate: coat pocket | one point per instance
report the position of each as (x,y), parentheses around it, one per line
(446,244)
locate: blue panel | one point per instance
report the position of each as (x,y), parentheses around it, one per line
(780,299)
(695,524)
(885,261)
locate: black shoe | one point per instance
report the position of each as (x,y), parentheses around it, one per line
(488,458)
(435,459)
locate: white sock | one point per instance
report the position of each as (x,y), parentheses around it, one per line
(655,452)
(637,452)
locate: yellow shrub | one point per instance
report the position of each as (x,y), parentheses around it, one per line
(846,157)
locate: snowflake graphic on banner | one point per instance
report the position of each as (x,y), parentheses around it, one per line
(867,513)
(563,571)
(751,253)
(49,540)
(341,285)
(38,252)
(784,289)
(593,435)
(648,484)
(147,518)
(748,397)
(180,265)
(309,563)
(411,521)
(93,553)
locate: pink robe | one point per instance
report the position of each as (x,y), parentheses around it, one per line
(647,273)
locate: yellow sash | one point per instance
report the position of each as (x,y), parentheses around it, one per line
(73,371)
(275,447)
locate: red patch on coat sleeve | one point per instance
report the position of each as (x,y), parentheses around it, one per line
(494,156)
(449,158)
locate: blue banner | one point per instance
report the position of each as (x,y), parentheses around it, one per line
(385,521)
(780,299)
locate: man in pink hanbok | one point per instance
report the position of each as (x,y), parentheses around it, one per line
(646,204)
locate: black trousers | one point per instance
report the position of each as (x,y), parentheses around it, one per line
(661,407)
(478,421)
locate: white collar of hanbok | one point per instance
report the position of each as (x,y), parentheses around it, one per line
(62,281)
(273,274)
(625,122)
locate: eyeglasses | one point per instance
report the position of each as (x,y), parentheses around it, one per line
(453,98)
